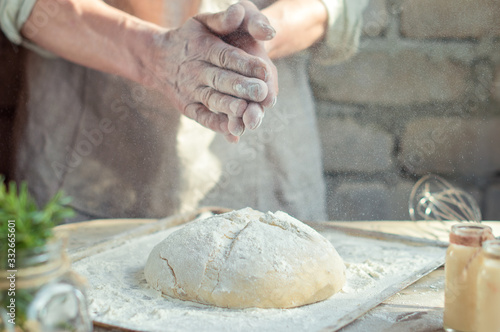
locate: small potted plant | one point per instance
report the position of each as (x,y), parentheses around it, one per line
(38,292)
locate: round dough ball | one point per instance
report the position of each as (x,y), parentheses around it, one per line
(245,259)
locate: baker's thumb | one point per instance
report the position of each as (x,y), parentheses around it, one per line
(225,22)
(256,23)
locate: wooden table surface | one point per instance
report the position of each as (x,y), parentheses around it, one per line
(419,307)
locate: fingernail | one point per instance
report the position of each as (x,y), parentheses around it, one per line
(270,32)
(238,131)
(261,72)
(256,123)
(273,103)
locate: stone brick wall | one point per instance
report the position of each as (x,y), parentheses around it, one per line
(421,96)
(10,78)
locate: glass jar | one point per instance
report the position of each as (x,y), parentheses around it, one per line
(463,259)
(41,293)
(488,289)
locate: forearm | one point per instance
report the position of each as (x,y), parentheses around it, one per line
(95,35)
(206,79)
(298,24)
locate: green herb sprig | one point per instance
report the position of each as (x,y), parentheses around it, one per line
(34,226)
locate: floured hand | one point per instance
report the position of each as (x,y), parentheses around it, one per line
(211,81)
(252,29)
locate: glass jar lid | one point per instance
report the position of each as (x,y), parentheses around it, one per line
(470,234)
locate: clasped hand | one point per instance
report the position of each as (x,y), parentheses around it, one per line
(216,71)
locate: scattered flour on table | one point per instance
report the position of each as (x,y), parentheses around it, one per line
(119,294)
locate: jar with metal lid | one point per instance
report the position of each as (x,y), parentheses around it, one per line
(463,259)
(488,289)
(41,293)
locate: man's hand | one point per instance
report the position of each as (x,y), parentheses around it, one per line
(193,67)
(218,85)
(245,27)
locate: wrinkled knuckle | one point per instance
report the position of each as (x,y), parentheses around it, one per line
(205,95)
(215,80)
(218,78)
(192,111)
(211,121)
(212,100)
(216,102)
(226,56)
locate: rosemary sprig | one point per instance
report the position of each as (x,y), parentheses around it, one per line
(34,226)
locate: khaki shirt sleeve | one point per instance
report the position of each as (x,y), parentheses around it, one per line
(13,15)
(344,28)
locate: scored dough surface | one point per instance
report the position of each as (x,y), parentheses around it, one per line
(246,258)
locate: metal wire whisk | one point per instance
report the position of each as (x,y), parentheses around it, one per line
(434,198)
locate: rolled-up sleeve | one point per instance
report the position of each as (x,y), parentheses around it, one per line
(344,28)
(13,15)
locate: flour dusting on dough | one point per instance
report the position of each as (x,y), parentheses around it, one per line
(244,259)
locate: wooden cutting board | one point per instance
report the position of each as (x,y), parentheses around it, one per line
(104,245)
